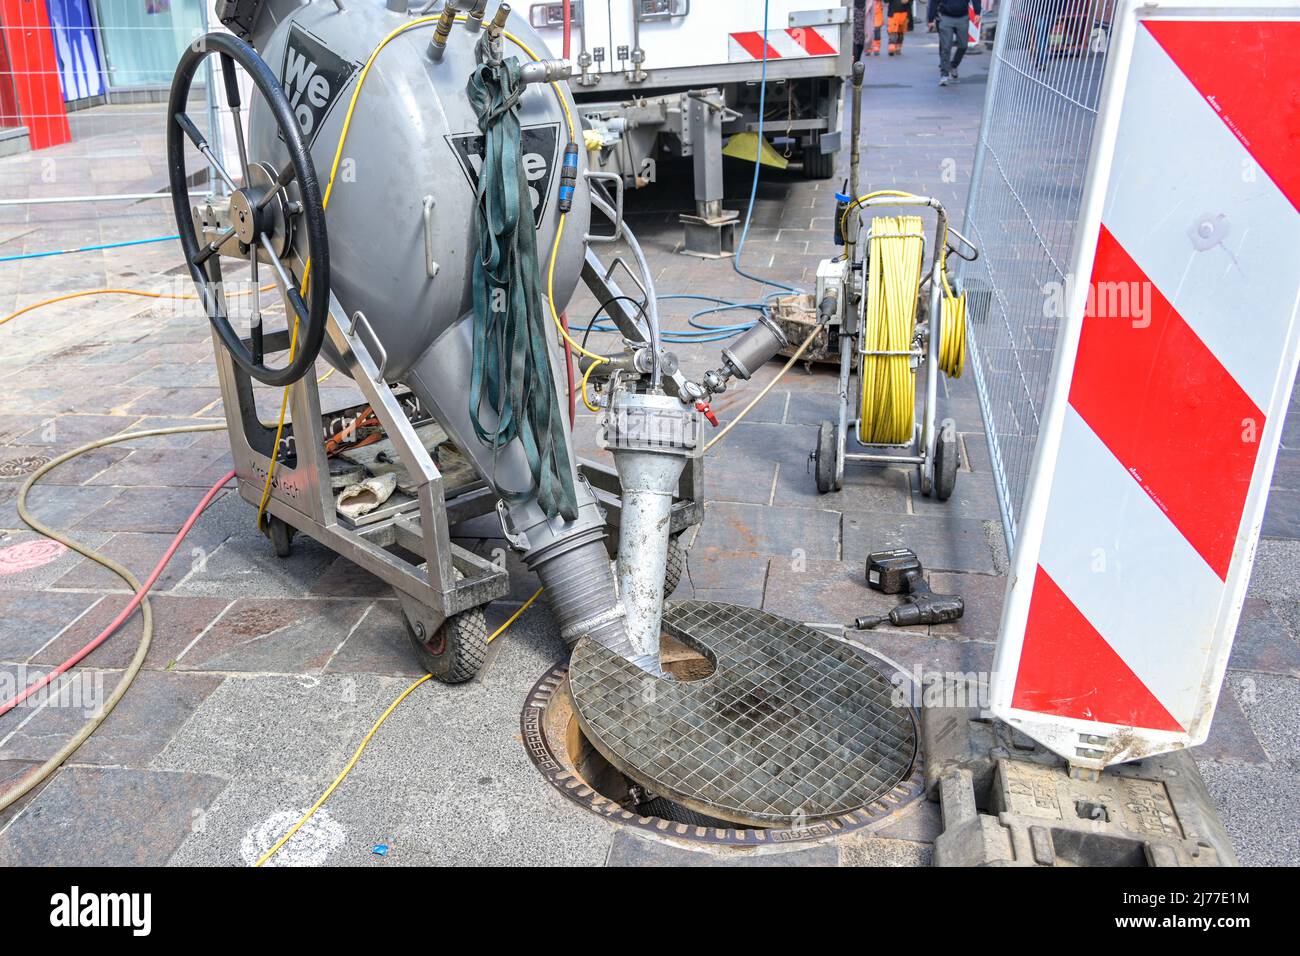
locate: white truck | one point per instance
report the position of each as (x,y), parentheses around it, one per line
(656,78)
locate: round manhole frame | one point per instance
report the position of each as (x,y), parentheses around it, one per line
(567,780)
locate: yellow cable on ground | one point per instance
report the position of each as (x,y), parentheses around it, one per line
(146,637)
(138,292)
(347,768)
(895,252)
(514,617)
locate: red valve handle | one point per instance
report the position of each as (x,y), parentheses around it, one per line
(707,411)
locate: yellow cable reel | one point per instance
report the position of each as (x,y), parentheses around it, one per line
(895,251)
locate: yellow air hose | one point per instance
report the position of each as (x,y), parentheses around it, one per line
(895,252)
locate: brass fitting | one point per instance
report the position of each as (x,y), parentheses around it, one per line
(442,31)
(499,21)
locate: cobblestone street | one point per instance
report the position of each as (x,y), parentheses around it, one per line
(265,673)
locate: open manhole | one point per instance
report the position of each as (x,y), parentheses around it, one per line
(567,757)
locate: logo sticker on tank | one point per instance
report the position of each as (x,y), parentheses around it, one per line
(541,151)
(313,76)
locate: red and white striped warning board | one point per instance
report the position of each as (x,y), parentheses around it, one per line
(1174,370)
(783,44)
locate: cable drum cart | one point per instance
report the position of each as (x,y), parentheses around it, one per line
(896,322)
(435,297)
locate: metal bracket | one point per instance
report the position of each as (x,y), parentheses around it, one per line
(617,180)
(430,266)
(517,539)
(359,319)
(974,250)
(620,261)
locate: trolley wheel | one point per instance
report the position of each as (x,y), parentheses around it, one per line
(676,564)
(281,535)
(816,164)
(824,465)
(456,651)
(945,460)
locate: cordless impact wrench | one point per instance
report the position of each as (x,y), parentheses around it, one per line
(899,571)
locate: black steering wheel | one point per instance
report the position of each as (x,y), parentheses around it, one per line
(264,217)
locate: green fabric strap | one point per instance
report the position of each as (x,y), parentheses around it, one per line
(512,377)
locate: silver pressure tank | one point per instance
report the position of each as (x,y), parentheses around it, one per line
(401,221)
(413,135)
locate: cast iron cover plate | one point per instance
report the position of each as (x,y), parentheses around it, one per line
(792,727)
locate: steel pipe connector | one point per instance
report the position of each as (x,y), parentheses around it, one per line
(651,436)
(474,20)
(747,354)
(545,71)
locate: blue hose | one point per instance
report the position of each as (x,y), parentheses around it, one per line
(718,333)
(66,252)
(758,165)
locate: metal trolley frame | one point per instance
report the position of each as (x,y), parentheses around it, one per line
(408,544)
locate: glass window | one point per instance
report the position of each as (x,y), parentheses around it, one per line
(142,40)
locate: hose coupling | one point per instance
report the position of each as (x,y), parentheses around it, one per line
(474,21)
(442,31)
(568,176)
(499,21)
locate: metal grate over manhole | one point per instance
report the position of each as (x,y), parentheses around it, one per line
(791,727)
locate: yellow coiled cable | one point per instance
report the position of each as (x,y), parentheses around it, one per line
(896,249)
(952,334)
(952,327)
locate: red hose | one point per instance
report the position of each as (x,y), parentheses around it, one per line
(564,318)
(568,364)
(127,611)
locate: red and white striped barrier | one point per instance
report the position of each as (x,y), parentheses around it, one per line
(783,44)
(972,27)
(1174,371)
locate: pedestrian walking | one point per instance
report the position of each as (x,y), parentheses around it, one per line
(899,11)
(952,19)
(865,11)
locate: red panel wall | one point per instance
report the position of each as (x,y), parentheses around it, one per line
(25,30)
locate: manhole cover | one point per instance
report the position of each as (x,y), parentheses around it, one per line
(791,727)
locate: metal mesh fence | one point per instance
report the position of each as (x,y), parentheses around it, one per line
(83,89)
(1049,57)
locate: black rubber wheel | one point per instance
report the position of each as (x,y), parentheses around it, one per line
(254,206)
(676,564)
(824,458)
(457,650)
(816,164)
(281,535)
(946,457)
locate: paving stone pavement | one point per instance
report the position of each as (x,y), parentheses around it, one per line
(264,673)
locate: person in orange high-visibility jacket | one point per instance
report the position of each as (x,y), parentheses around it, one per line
(899,11)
